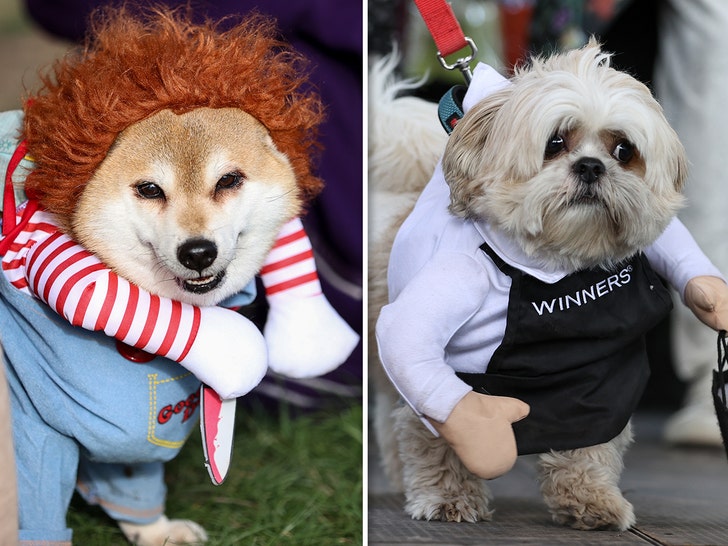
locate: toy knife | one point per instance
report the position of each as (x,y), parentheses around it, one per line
(217,421)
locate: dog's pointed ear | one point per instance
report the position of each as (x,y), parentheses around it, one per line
(464,158)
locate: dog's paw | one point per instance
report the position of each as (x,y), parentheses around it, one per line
(461,508)
(164,532)
(437,485)
(581,486)
(593,510)
(586,502)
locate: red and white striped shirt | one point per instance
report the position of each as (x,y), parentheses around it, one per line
(290,268)
(45,263)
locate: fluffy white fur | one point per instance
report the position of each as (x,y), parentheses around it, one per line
(517,159)
(594,109)
(164,531)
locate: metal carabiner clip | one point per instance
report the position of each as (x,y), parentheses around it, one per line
(462,64)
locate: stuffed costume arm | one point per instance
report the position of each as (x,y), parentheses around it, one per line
(221,347)
(306,337)
(412,333)
(435,288)
(676,257)
(478,427)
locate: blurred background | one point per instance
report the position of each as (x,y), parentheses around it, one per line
(24,48)
(506,32)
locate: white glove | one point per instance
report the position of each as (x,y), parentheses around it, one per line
(306,337)
(228,354)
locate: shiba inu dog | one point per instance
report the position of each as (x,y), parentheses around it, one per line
(165,166)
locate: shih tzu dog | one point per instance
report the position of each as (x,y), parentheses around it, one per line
(521,281)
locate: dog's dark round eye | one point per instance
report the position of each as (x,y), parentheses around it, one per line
(555,145)
(624,151)
(229,181)
(149,190)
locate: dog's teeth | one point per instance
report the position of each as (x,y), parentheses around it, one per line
(201,280)
(201,285)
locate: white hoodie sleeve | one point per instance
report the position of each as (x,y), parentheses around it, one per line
(414,330)
(677,258)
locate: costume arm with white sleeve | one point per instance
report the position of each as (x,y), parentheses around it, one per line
(412,333)
(676,256)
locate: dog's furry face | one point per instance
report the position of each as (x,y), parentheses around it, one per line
(575,160)
(188,206)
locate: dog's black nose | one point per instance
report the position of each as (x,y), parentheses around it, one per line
(588,169)
(197,254)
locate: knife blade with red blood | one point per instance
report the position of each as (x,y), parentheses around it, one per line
(217,423)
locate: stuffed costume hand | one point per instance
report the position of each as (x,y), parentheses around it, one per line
(306,337)
(229,353)
(707,298)
(479,429)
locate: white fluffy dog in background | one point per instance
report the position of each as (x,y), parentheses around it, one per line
(570,168)
(399,168)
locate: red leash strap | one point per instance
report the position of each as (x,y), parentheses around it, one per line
(449,37)
(8,238)
(443,26)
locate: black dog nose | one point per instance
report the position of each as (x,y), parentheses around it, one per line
(588,169)
(197,254)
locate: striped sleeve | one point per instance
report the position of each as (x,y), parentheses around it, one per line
(290,268)
(13,261)
(78,286)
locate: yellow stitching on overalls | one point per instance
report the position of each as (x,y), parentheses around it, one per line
(152,426)
(169,380)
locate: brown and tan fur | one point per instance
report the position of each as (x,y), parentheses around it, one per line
(186,155)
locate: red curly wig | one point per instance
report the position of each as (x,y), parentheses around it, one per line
(133,66)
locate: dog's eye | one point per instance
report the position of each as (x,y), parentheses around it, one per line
(555,145)
(624,151)
(149,190)
(229,181)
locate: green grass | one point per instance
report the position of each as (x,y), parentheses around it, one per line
(293,480)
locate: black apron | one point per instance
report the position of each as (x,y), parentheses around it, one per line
(575,352)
